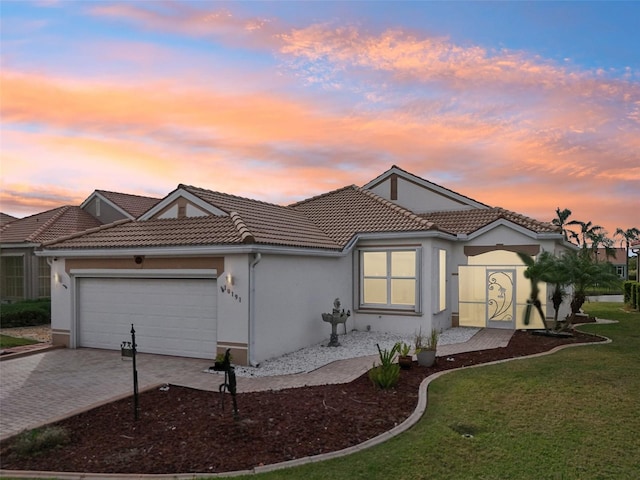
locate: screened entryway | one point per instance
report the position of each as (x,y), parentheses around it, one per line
(493,291)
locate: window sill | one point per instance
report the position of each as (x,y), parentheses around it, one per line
(388,311)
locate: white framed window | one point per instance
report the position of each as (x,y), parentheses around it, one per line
(389,278)
(440,300)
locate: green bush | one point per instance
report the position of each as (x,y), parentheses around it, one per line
(26,313)
(627,286)
(39,439)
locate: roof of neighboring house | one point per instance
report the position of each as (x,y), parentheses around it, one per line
(4,219)
(469,221)
(47,226)
(135,205)
(618,255)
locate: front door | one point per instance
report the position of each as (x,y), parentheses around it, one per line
(501,298)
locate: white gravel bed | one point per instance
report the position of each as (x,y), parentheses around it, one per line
(353,344)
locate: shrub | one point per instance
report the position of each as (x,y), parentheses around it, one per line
(387,374)
(26,313)
(628,286)
(39,439)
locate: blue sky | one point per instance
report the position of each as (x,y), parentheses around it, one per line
(525,105)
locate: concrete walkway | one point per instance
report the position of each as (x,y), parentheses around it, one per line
(43,387)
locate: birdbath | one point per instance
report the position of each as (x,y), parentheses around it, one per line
(334,318)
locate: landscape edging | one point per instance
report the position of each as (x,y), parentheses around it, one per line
(383,437)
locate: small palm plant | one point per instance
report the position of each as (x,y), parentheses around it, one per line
(387,374)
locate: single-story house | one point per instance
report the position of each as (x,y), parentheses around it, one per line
(202,271)
(23,275)
(617,257)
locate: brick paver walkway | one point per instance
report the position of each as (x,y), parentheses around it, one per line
(42,387)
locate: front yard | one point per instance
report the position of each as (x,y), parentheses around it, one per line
(570,415)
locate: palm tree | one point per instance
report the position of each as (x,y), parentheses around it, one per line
(628,236)
(584,273)
(598,239)
(561,221)
(549,269)
(587,230)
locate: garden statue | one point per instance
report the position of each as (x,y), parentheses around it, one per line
(334,318)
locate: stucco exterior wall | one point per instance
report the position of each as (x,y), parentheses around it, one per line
(291,293)
(233,308)
(417,198)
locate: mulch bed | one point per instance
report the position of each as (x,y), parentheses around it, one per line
(183,430)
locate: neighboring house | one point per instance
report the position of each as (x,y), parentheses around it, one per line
(203,271)
(23,275)
(4,219)
(617,257)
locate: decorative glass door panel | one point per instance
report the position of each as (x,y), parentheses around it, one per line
(501,298)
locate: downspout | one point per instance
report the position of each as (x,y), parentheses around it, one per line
(252,307)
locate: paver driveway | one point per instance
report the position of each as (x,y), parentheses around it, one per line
(43,387)
(39,388)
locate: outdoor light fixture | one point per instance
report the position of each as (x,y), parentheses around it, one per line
(229,279)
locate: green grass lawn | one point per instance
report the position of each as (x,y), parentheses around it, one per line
(571,415)
(8,342)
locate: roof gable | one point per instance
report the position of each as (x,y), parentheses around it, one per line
(121,205)
(418,194)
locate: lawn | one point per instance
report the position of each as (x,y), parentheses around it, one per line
(8,342)
(570,415)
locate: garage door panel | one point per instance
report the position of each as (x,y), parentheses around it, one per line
(171,316)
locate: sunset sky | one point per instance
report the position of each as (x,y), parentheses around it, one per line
(527,106)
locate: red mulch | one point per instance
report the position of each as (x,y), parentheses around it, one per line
(183,430)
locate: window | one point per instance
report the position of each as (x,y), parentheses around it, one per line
(12,284)
(44,278)
(389,278)
(441,303)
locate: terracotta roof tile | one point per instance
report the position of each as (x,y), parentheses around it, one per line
(156,233)
(47,226)
(268,223)
(4,219)
(351,210)
(468,221)
(135,205)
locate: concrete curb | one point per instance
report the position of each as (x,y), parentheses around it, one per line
(10,355)
(404,426)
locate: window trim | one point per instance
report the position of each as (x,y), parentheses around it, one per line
(440,297)
(400,308)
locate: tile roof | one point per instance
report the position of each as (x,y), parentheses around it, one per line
(351,210)
(468,221)
(135,205)
(4,219)
(267,223)
(47,226)
(155,233)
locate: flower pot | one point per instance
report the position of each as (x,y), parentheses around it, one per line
(405,361)
(426,358)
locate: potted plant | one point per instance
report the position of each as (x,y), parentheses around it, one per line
(426,347)
(404,356)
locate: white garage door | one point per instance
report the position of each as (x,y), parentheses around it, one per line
(170,316)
